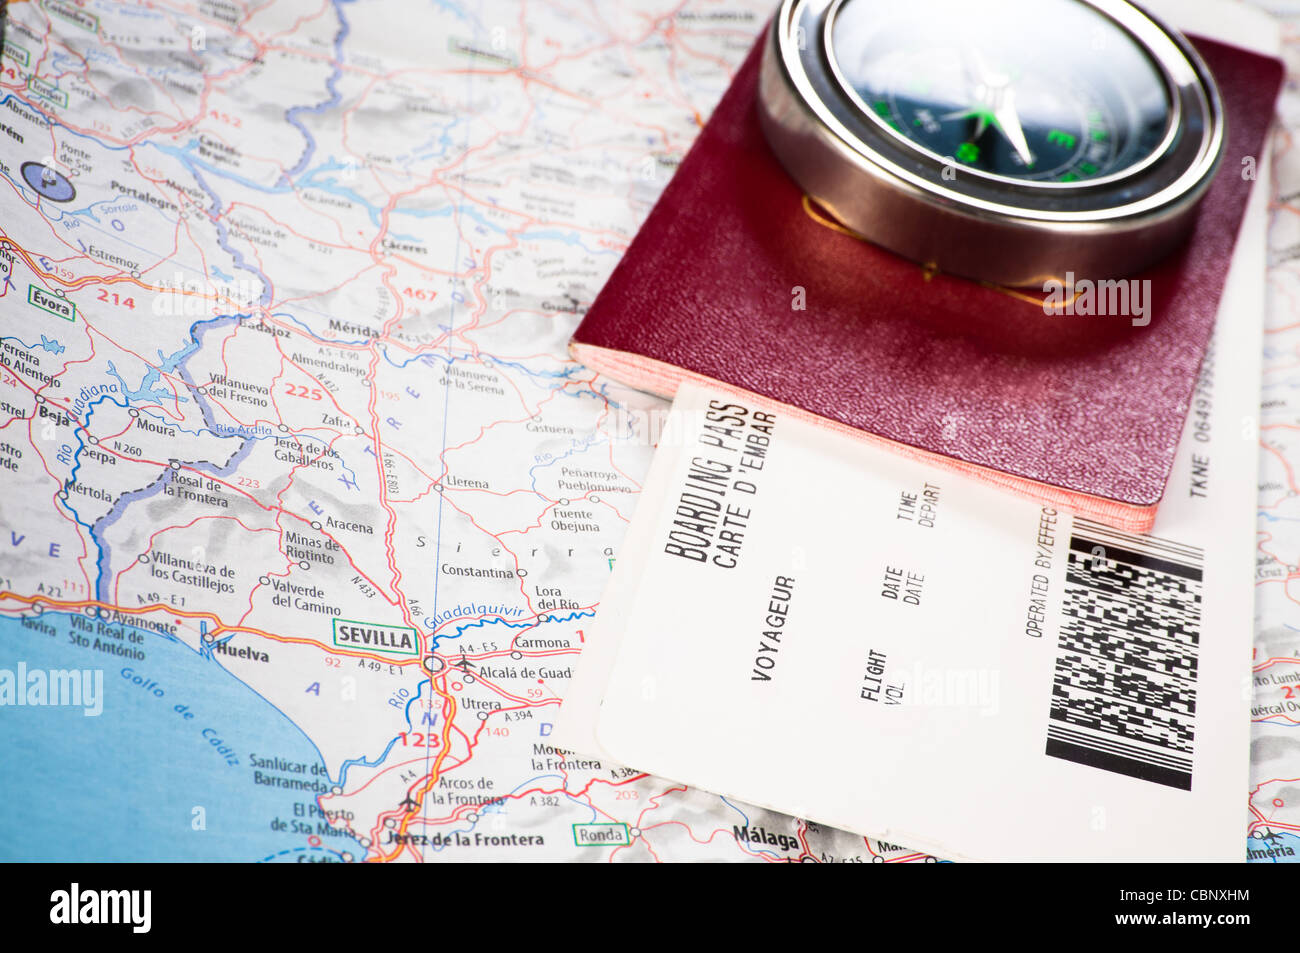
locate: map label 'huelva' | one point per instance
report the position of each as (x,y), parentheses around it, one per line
(376,637)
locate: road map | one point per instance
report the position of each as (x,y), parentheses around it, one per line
(292,453)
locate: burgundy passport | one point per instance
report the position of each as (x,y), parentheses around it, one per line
(1072,410)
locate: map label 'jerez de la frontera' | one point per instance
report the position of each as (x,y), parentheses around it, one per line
(392,639)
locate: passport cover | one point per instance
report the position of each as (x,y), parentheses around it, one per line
(1071,410)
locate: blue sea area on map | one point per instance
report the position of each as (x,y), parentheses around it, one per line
(1275,847)
(125,785)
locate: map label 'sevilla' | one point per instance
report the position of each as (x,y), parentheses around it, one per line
(375,636)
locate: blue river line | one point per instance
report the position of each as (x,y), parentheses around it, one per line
(291,115)
(482,623)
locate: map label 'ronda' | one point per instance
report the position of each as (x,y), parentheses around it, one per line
(601,835)
(376,637)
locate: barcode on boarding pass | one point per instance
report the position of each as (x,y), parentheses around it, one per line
(1124,686)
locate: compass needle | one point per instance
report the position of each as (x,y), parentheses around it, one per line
(1008,122)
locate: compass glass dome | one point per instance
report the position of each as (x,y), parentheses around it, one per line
(1033,90)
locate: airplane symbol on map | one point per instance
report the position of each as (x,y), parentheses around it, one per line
(409,804)
(464,664)
(1270,837)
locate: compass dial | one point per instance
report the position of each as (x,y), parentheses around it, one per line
(1065,96)
(1010,141)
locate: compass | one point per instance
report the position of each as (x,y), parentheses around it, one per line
(1009,141)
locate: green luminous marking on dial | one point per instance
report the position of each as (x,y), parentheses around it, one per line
(983,116)
(968,152)
(886,112)
(1061,138)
